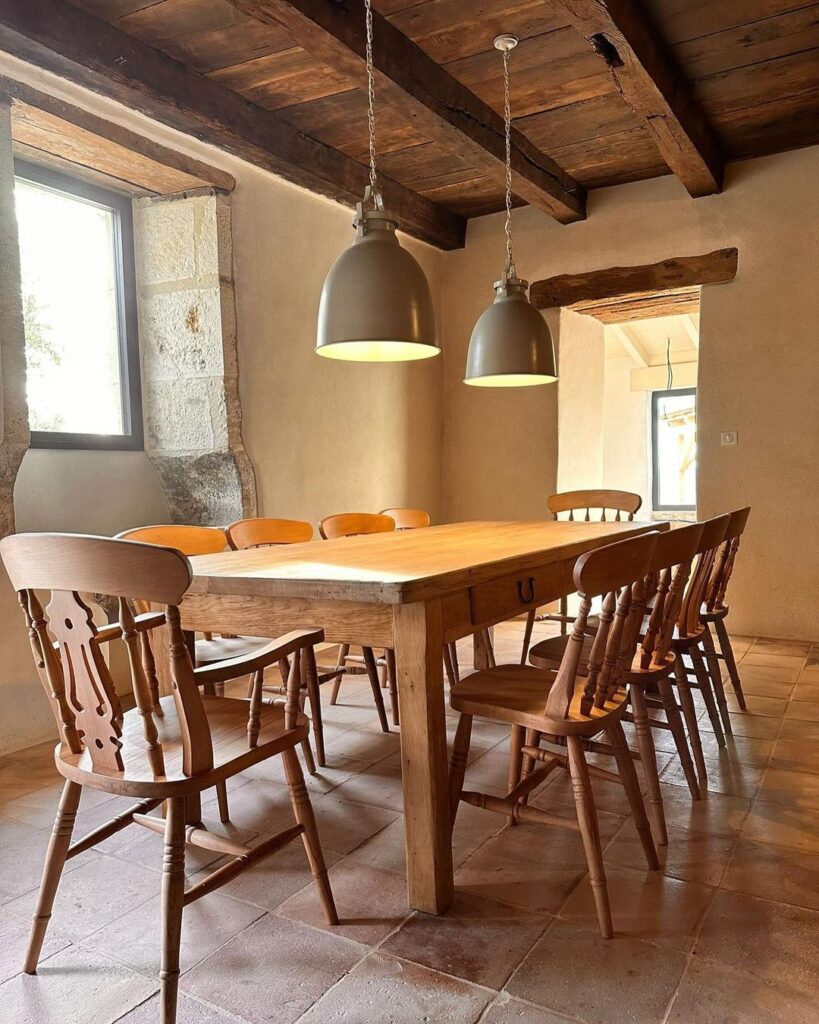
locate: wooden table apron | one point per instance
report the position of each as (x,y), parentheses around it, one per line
(411,593)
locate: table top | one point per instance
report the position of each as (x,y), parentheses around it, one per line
(401,566)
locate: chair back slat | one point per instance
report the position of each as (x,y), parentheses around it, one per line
(672,560)
(190,540)
(67,649)
(598,500)
(261,531)
(354,524)
(408,518)
(713,533)
(616,573)
(724,562)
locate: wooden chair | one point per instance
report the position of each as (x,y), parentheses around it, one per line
(168,750)
(356,524)
(261,532)
(716,610)
(211,650)
(649,676)
(601,501)
(408,518)
(568,708)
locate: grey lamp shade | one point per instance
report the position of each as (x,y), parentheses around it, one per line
(511,345)
(376,305)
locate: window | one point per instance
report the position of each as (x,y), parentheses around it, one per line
(674,450)
(79,309)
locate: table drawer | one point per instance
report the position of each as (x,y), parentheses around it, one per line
(508,596)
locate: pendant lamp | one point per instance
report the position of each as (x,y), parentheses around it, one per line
(376,305)
(511,345)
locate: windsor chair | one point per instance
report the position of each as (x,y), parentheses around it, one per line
(167,749)
(356,524)
(568,708)
(408,518)
(601,501)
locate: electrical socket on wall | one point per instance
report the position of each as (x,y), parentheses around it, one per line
(729,437)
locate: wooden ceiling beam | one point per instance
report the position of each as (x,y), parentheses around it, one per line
(435,102)
(650,80)
(63,39)
(679,273)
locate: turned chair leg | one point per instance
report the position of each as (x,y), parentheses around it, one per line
(564,614)
(727,651)
(457,764)
(314,696)
(528,763)
(372,673)
(52,870)
(692,725)
(254,721)
(517,738)
(173,897)
(704,682)
(674,719)
(590,833)
(628,775)
(343,651)
(648,758)
(715,674)
(303,811)
(392,679)
(527,635)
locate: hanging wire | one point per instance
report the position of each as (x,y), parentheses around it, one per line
(670,369)
(507,118)
(370,95)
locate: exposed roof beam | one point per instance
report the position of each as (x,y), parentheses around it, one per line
(88,51)
(630,344)
(691,330)
(680,272)
(647,75)
(437,104)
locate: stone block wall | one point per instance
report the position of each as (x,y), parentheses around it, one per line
(187,325)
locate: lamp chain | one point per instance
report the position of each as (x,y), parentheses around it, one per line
(507,118)
(370,94)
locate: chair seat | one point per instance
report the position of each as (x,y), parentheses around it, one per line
(227,718)
(221,648)
(518,693)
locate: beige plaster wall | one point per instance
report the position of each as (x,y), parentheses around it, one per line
(758,370)
(580,402)
(626,443)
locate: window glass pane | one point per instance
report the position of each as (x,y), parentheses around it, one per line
(69,281)
(675,459)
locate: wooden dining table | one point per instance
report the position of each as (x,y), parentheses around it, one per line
(411,591)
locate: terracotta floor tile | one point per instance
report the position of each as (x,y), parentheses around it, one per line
(806,691)
(478,940)
(608,796)
(16,831)
(572,970)
(791,648)
(793,825)
(645,905)
(747,724)
(255,806)
(746,750)
(782,667)
(767,707)
(21,866)
(689,856)
(207,924)
(379,785)
(386,990)
(344,825)
(19,778)
(39,807)
(754,685)
(370,901)
(189,1011)
(796,755)
(803,710)
(771,940)
(712,994)
(273,971)
(794,729)
(724,776)
(14,933)
(55,996)
(339,768)
(759,869)
(507,1010)
(780,786)
(363,745)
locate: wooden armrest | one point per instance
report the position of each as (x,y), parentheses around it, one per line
(113,630)
(278,649)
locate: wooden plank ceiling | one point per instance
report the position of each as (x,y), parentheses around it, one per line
(603,92)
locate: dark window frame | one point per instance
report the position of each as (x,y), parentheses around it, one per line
(132,438)
(656,397)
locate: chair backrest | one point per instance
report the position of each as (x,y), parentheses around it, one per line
(724,561)
(599,501)
(66,649)
(713,534)
(669,574)
(190,540)
(617,573)
(352,524)
(408,518)
(260,532)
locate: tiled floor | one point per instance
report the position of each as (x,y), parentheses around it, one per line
(727,931)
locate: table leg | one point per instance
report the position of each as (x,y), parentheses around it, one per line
(418,653)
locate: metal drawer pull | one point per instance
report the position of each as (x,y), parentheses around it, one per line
(528,597)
